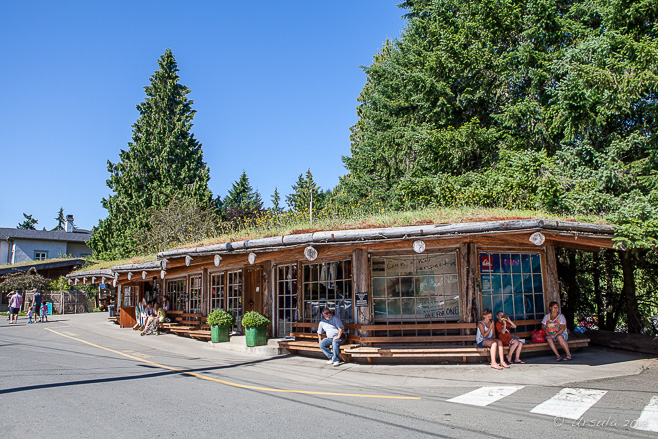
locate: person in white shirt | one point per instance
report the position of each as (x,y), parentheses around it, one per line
(333,327)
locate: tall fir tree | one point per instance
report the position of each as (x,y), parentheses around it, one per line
(28,223)
(276,202)
(305,188)
(60,219)
(242,200)
(163,159)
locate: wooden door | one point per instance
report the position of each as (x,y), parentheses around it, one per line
(253,290)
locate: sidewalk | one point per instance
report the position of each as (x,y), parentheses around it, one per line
(592,363)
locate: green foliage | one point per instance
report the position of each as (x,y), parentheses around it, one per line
(276,202)
(28,224)
(253,319)
(163,159)
(60,219)
(25,281)
(242,201)
(501,103)
(219,317)
(181,221)
(304,190)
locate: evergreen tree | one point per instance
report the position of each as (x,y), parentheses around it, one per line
(163,159)
(518,104)
(242,200)
(28,224)
(60,219)
(276,201)
(305,188)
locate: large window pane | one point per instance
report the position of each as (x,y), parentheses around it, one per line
(418,287)
(327,284)
(518,289)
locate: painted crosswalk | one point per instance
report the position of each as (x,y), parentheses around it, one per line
(485,395)
(568,403)
(648,420)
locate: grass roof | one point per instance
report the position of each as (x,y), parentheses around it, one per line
(291,223)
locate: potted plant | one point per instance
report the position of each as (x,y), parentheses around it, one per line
(255,325)
(220,322)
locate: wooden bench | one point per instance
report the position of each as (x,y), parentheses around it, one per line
(200,334)
(305,339)
(438,340)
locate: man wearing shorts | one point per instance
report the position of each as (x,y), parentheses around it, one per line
(36,303)
(15,306)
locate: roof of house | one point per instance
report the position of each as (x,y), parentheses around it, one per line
(73,263)
(77,235)
(571,228)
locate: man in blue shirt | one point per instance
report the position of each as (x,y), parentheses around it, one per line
(36,303)
(333,327)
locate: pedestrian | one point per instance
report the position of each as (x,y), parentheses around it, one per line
(15,306)
(29,315)
(333,327)
(9,294)
(44,312)
(36,305)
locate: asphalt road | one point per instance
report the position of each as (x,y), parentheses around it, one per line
(81,377)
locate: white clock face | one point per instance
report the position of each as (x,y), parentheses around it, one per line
(419,246)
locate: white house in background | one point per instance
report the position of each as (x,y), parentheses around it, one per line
(20,245)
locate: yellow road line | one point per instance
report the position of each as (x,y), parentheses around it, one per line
(227,383)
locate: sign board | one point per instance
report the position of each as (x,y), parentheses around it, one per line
(361,299)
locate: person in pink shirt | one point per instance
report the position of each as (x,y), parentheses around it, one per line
(15,306)
(44,312)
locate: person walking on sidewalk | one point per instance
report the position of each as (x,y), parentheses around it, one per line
(15,306)
(36,305)
(333,327)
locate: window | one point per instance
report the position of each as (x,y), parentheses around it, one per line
(287,299)
(195,294)
(40,255)
(176,294)
(416,288)
(234,296)
(216,291)
(128,296)
(512,283)
(327,284)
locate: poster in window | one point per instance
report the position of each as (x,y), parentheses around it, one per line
(486,264)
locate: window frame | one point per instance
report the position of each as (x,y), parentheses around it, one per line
(39,258)
(442,307)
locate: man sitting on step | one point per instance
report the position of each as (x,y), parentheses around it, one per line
(333,327)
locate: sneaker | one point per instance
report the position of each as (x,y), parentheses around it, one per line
(142,334)
(336,363)
(330,362)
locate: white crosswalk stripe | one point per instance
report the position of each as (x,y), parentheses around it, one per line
(569,403)
(485,395)
(648,420)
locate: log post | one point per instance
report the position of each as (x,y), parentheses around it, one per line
(205,292)
(361,280)
(468,295)
(269,293)
(552,280)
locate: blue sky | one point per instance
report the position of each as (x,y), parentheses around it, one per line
(274,85)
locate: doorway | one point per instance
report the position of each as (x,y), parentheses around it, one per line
(253,290)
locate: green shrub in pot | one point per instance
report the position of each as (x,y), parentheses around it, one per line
(255,328)
(220,322)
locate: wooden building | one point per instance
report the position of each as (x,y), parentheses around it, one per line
(415,275)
